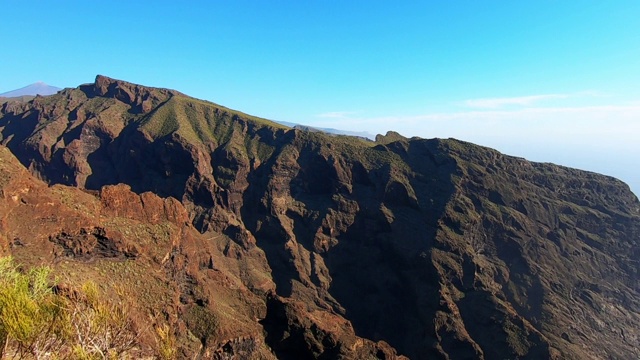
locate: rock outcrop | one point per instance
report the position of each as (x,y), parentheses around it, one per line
(273,242)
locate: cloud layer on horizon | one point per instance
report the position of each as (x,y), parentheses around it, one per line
(525,101)
(496,103)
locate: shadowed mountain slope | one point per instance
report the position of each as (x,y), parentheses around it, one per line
(348,248)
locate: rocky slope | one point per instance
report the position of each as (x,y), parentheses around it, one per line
(294,244)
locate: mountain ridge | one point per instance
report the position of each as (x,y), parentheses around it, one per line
(420,247)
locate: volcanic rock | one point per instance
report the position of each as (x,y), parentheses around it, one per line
(267,241)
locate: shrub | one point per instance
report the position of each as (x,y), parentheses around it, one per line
(101,330)
(35,322)
(32,318)
(165,342)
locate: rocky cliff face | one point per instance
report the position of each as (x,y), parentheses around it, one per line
(303,245)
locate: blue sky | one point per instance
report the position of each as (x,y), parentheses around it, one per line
(553,81)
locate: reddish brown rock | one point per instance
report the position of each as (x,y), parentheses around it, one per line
(438,248)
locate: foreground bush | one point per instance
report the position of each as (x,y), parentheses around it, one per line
(33,320)
(36,322)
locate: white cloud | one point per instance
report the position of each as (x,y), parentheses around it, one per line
(527,101)
(496,103)
(585,118)
(336,114)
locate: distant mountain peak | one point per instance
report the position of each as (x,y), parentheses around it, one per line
(37,88)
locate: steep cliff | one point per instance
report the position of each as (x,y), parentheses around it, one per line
(315,246)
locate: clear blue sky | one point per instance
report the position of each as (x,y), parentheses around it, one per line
(554,81)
